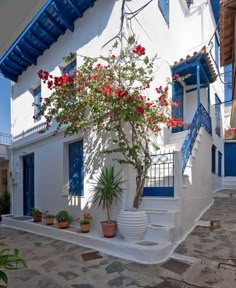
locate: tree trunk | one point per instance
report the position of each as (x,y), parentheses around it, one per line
(139,190)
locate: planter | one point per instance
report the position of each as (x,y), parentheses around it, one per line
(63,224)
(84,228)
(132,224)
(109,229)
(49,221)
(37,217)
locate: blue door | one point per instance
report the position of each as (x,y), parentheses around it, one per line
(230,159)
(28,184)
(76,169)
(177,96)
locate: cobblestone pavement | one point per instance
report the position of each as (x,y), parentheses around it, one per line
(208,260)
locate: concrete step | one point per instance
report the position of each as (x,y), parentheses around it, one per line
(160,234)
(229,182)
(227,193)
(160,203)
(163,217)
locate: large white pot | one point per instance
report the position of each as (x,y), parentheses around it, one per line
(132,224)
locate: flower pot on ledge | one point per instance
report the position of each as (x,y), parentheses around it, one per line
(132,224)
(109,228)
(84,228)
(63,224)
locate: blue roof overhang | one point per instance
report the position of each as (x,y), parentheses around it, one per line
(188,68)
(52,21)
(215,4)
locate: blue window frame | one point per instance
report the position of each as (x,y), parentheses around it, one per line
(219,164)
(37,101)
(164,8)
(76,169)
(177,96)
(217,50)
(218,115)
(70,68)
(213,159)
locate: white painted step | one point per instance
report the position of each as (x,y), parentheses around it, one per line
(229,182)
(160,234)
(160,203)
(227,193)
(163,217)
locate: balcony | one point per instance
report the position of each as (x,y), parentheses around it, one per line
(5,141)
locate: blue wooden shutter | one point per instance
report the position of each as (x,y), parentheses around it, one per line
(213,159)
(177,96)
(219,163)
(37,102)
(70,68)
(164,8)
(76,169)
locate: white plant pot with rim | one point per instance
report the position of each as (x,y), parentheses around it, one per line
(132,224)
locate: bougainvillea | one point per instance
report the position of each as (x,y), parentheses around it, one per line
(230,133)
(113,93)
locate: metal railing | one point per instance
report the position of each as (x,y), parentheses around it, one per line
(200,119)
(5,139)
(160,176)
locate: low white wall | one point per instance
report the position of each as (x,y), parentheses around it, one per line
(197,194)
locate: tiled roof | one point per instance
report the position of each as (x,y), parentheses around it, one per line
(48,25)
(188,65)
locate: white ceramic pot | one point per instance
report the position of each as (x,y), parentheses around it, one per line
(132,224)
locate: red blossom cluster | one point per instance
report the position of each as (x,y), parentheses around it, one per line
(175,76)
(230,133)
(139,50)
(55,81)
(174,122)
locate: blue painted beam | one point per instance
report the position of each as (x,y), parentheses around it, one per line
(54,22)
(48,32)
(21,66)
(26,55)
(203,72)
(9,70)
(20,59)
(64,18)
(77,11)
(13,66)
(8,75)
(33,47)
(195,88)
(40,40)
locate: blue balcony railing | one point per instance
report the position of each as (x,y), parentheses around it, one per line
(5,139)
(200,119)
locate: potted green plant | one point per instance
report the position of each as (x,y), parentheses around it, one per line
(85,222)
(106,192)
(49,218)
(37,215)
(63,219)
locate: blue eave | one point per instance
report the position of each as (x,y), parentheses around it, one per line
(189,67)
(215,4)
(52,21)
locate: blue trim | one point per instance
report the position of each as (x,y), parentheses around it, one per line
(158,191)
(215,4)
(70,68)
(37,101)
(198,85)
(164,8)
(219,164)
(52,21)
(217,44)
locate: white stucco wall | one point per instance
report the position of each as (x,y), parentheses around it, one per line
(186,33)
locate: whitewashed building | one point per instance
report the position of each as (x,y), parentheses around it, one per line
(184,34)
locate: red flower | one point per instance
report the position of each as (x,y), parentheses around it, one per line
(140,110)
(176,76)
(106,89)
(139,50)
(148,104)
(66,79)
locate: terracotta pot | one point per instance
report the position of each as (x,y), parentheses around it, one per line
(109,228)
(38,217)
(63,224)
(49,221)
(84,228)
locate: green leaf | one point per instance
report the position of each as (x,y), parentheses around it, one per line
(3,277)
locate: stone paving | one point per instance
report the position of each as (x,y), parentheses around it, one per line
(207,258)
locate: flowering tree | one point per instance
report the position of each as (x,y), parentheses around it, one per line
(111,93)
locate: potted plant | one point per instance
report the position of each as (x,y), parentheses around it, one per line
(37,215)
(106,192)
(63,219)
(85,222)
(49,218)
